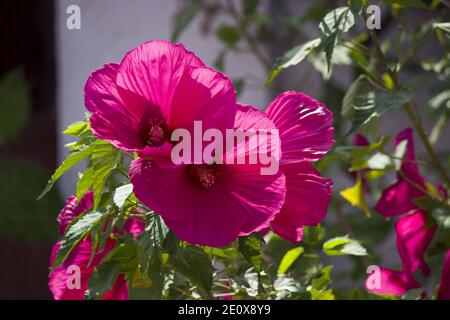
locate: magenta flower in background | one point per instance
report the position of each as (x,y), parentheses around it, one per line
(306,134)
(444,287)
(158,87)
(412,235)
(213,204)
(392,282)
(80,257)
(413,239)
(398,198)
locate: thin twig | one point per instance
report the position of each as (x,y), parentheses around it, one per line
(252,43)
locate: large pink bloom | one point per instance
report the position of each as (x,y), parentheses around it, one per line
(306,134)
(158,87)
(444,287)
(213,204)
(398,198)
(60,280)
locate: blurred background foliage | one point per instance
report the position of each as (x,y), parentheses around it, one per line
(23,218)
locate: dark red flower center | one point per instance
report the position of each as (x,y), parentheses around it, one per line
(203,175)
(157,134)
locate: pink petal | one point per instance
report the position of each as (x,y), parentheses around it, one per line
(204,95)
(201,95)
(134,226)
(409,168)
(119,291)
(73,209)
(360,141)
(305,126)
(80,256)
(209,216)
(444,287)
(391,282)
(413,239)
(114,118)
(153,71)
(266,138)
(307,198)
(398,198)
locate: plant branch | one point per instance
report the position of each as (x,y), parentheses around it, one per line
(409,109)
(251,41)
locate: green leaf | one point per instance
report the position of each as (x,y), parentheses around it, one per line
(289,258)
(362,102)
(77,128)
(104,160)
(318,60)
(333,25)
(73,158)
(121,194)
(443,26)
(23,218)
(357,5)
(15,100)
(184,17)
(250,247)
(355,196)
(77,231)
(230,35)
(85,182)
(357,96)
(102,280)
(151,241)
(292,58)
(194,263)
(343,246)
(313,234)
(250,6)
(427,203)
(319,285)
(407,3)
(380,161)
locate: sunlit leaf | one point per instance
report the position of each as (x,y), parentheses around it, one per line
(292,58)
(289,258)
(344,246)
(333,25)
(355,196)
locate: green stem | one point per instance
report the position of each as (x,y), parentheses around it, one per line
(409,110)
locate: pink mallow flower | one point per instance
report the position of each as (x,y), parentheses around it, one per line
(413,236)
(398,198)
(157,88)
(62,283)
(212,204)
(444,287)
(306,134)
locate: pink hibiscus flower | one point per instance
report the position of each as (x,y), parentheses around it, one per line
(413,238)
(412,234)
(444,287)
(398,198)
(62,284)
(158,87)
(306,134)
(212,204)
